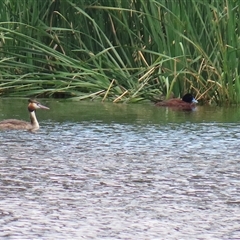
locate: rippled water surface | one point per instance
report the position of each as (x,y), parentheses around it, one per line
(106,171)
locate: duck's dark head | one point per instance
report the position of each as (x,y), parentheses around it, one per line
(189,98)
(33,105)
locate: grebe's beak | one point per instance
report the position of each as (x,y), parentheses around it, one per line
(43,107)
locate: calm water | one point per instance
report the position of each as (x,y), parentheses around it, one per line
(106,171)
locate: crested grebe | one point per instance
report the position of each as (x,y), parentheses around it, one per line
(23,125)
(186,103)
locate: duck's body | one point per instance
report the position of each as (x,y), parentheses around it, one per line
(188,102)
(16,124)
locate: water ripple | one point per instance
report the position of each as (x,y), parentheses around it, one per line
(92,180)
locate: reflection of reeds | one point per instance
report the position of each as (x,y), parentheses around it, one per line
(123,51)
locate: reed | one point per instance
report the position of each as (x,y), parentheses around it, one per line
(121,51)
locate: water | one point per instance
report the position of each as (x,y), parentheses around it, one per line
(106,171)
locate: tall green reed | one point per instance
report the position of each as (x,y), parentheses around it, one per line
(124,51)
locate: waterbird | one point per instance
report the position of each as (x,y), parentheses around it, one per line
(33,125)
(187,102)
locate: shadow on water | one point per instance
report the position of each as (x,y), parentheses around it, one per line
(115,171)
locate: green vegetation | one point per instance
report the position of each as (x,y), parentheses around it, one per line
(122,51)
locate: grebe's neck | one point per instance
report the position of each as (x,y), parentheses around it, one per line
(34,121)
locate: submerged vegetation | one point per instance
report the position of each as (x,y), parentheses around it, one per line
(122,51)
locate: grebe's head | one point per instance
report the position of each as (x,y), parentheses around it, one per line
(33,105)
(189,98)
